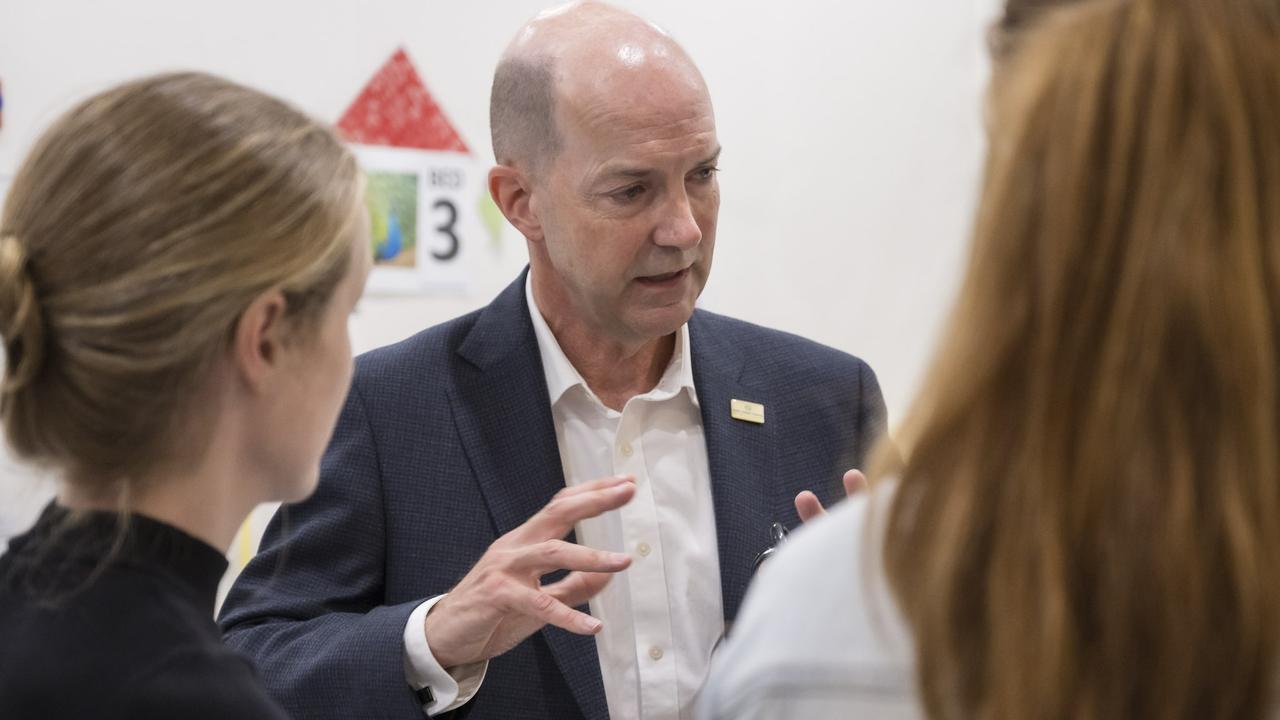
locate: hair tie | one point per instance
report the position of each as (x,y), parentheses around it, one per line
(19,315)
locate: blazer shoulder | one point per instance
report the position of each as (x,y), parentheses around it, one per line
(799,353)
(408,358)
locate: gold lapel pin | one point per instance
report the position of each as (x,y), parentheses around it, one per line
(748,411)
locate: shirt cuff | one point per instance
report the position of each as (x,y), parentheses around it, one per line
(450,689)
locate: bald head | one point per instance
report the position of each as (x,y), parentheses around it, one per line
(566,55)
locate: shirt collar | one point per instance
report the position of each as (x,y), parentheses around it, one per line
(562,375)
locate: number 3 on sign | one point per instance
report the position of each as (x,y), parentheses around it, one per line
(447,230)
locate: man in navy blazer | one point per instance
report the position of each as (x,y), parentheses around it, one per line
(426,574)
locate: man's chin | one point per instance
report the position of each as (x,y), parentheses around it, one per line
(660,322)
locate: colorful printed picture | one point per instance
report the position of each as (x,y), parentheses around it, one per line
(393,211)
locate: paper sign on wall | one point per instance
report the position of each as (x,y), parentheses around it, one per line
(430,210)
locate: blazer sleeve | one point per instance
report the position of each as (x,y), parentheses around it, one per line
(308,609)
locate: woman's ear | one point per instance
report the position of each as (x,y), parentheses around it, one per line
(513,194)
(257,348)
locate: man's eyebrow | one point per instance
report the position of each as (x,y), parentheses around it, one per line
(624,171)
(712,158)
(628,172)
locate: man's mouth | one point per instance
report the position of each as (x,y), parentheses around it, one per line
(664,278)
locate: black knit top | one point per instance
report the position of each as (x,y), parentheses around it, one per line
(95,623)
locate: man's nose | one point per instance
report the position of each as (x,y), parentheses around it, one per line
(678,228)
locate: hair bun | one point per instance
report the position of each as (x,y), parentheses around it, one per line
(21,324)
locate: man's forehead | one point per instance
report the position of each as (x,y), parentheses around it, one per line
(641,125)
(637,165)
(655,93)
(596,163)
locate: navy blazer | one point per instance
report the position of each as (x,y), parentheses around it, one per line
(446,442)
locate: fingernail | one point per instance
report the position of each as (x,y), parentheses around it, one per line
(592,625)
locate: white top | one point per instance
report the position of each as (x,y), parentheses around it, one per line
(819,636)
(662,616)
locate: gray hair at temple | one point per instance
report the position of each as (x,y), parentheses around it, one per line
(522,108)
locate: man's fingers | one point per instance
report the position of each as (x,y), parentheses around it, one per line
(569,508)
(601,484)
(808,506)
(854,482)
(551,611)
(550,555)
(578,587)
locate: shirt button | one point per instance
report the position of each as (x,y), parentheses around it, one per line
(655,652)
(643,549)
(626,450)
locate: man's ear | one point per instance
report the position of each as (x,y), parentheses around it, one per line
(513,194)
(258,345)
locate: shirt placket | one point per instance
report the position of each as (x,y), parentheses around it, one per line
(651,609)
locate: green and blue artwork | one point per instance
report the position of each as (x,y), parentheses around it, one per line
(392,199)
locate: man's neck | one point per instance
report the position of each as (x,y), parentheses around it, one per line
(615,371)
(615,368)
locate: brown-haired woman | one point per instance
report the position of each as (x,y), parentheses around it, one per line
(178,260)
(1085,517)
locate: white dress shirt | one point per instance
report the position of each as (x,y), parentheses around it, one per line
(662,616)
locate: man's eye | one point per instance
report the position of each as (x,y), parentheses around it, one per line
(629,194)
(706,173)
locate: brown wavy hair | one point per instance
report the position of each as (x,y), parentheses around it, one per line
(1087,523)
(139,228)
(1015,21)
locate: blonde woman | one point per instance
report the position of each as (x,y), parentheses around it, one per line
(1085,517)
(178,260)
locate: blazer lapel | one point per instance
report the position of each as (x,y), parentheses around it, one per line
(503,414)
(741,456)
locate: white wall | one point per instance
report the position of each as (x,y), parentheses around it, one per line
(850,128)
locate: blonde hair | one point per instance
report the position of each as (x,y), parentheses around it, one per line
(137,231)
(1088,518)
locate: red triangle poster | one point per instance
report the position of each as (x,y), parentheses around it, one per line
(396,109)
